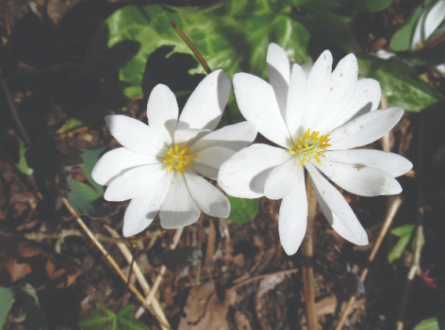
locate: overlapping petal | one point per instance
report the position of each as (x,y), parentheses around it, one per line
(278,67)
(358,179)
(296,101)
(237,175)
(391,163)
(292,221)
(135,135)
(208,198)
(365,129)
(179,209)
(282,179)
(162,113)
(212,157)
(205,106)
(116,162)
(257,102)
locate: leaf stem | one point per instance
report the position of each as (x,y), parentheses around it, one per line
(307,250)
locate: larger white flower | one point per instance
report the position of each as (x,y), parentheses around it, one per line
(158,166)
(314,120)
(428,26)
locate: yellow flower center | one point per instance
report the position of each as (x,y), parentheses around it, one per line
(179,159)
(310,146)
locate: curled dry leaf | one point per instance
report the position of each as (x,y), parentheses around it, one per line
(204,310)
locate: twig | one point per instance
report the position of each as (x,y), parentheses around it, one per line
(307,250)
(14,113)
(198,266)
(390,214)
(415,266)
(75,232)
(109,258)
(203,63)
(162,271)
(140,277)
(259,277)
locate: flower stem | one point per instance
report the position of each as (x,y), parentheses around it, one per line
(198,266)
(203,63)
(307,250)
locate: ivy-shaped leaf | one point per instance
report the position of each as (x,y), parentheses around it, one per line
(105,319)
(242,210)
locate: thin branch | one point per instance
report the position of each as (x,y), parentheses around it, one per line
(24,72)
(307,250)
(415,266)
(140,277)
(109,258)
(203,63)
(259,277)
(390,214)
(158,280)
(14,113)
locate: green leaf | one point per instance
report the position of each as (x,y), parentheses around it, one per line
(402,231)
(86,200)
(23,164)
(242,210)
(401,40)
(7,298)
(105,319)
(431,323)
(90,158)
(34,318)
(233,37)
(400,83)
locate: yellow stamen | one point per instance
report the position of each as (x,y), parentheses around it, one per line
(179,159)
(310,146)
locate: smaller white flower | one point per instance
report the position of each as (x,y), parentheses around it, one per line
(159,165)
(314,120)
(427,25)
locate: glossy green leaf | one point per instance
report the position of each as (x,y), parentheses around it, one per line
(404,232)
(7,298)
(401,40)
(86,200)
(26,295)
(400,83)
(242,210)
(105,319)
(432,323)
(90,158)
(23,164)
(233,37)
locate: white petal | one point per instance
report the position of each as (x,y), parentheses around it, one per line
(162,113)
(318,90)
(257,102)
(296,101)
(342,85)
(206,171)
(116,161)
(209,199)
(282,179)
(214,156)
(278,66)
(365,98)
(189,136)
(391,163)
(363,181)
(336,210)
(238,173)
(365,129)
(134,182)
(233,137)
(434,18)
(135,135)
(292,220)
(178,209)
(205,106)
(143,209)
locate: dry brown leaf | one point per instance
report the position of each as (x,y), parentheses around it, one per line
(204,310)
(241,321)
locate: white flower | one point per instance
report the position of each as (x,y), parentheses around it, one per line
(427,25)
(158,166)
(314,120)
